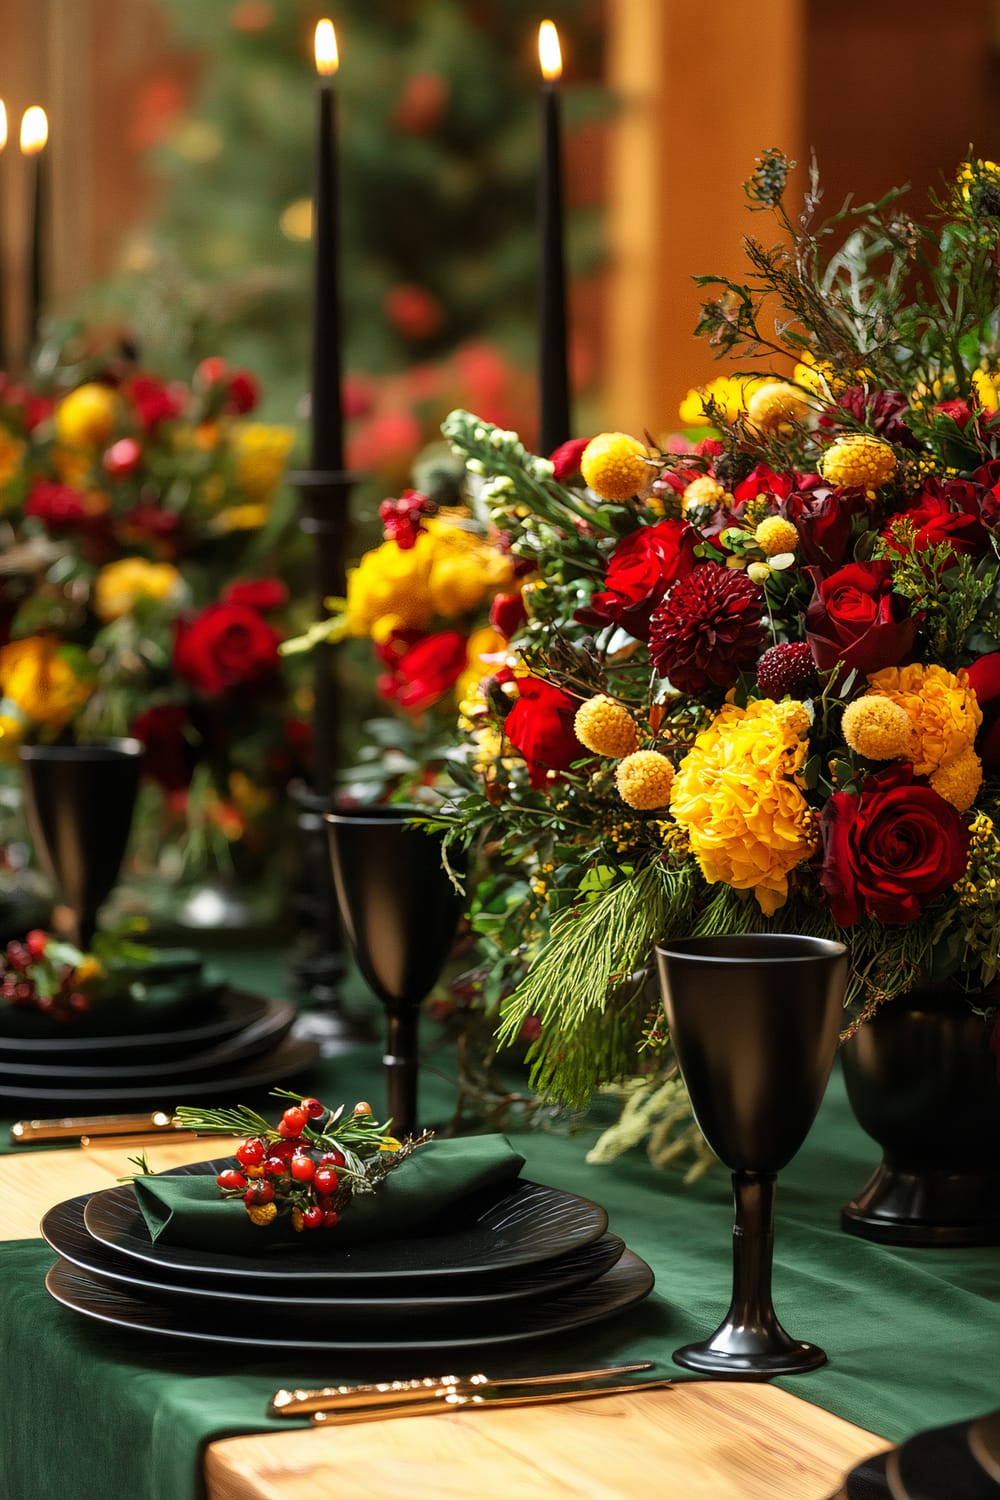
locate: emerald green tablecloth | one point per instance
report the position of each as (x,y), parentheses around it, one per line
(912,1336)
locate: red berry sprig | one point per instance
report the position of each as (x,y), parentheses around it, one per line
(309,1166)
(41,972)
(401,519)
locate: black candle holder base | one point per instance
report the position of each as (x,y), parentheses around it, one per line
(740,1353)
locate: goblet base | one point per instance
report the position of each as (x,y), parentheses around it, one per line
(738,1354)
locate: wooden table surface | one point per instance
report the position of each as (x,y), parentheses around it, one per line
(700,1440)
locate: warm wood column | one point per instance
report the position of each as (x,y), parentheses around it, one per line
(703,89)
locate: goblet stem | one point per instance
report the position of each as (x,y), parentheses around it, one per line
(750,1343)
(400,1063)
(753,1251)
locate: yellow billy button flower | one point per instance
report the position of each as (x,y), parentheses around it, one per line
(262,1214)
(877,728)
(959,781)
(615,466)
(606,727)
(703,492)
(858,460)
(644,780)
(776,535)
(777,406)
(86,417)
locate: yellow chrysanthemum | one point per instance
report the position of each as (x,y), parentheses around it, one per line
(484,653)
(737,794)
(942,708)
(606,727)
(777,407)
(464,570)
(40,683)
(959,781)
(615,466)
(728,394)
(984,384)
(703,493)
(11,456)
(119,586)
(86,418)
(776,535)
(644,779)
(877,728)
(858,460)
(260,453)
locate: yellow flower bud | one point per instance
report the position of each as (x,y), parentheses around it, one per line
(777,406)
(776,535)
(877,728)
(262,1214)
(615,466)
(606,727)
(858,460)
(644,779)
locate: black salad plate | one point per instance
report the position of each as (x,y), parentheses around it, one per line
(225,1016)
(625,1284)
(520,1225)
(249,1042)
(287,1059)
(64,1229)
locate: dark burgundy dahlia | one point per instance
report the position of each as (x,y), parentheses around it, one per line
(707,629)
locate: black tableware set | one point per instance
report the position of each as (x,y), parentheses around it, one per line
(165,1030)
(512,1263)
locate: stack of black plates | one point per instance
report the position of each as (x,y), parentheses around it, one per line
(517,1263)
(187,1037)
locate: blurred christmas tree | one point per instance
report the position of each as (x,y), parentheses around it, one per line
(439,156)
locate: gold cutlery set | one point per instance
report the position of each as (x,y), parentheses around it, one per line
(343,1404)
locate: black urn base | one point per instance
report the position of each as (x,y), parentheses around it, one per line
(929,1206)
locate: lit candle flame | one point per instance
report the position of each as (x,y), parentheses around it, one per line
(34,130)
(549,52)
(327,57)
(3,124)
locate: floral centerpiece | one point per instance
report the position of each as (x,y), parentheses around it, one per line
(758,684)
(137,593)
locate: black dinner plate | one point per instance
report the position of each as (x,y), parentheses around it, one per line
(521,1225)
(65,1231)
(625,1284)
(249,1042)
(287,1059)
(226,1015)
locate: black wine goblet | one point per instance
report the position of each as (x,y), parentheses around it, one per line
(754,1022)
(400,908)
(79,801)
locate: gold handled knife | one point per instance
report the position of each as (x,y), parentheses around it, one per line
(300,1403)
(478,1400)
(70,1127)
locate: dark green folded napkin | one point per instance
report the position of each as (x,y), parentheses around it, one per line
(427,1187)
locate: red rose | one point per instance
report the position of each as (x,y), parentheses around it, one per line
(641,569)
(226,646)
(762,480)
(507,614)
(425,672)
(824,520)
(540,727)
(170,756)
(243,393)
(855,617)
(259,593)
(565,460)
(984,679)
(891,849)
(946,512)
(154,402)
(58,506)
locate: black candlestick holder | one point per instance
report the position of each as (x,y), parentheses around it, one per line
(318,964)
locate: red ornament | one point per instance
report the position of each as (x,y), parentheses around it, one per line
(313,1108)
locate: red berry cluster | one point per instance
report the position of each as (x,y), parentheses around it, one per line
(295,1172)
(401,518)
(27,979)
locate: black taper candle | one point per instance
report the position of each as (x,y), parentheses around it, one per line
(327,453)
(34,135)
(3,241)
(553,376)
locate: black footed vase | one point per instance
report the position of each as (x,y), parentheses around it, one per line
(400,909)
(754,1021)
(79,801)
